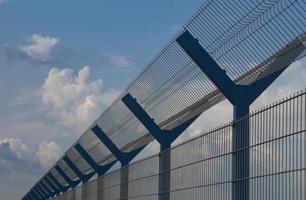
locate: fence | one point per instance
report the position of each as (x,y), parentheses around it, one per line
(201,168)
(243,37)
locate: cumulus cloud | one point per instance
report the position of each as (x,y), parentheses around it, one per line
(48,153)
(39,47)
(20,149)
(14,150)
(15,155)
(73,98)
(14,165)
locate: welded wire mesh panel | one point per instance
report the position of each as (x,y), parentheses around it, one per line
(69,195)
(91,190)
(148,197)
(78,193)
(142,174)
(201,168)
(243,37)
(278,150)
(239,35)
(111,186)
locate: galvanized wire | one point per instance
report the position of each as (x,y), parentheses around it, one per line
(240,36)
(201,168)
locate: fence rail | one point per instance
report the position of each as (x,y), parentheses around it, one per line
(245,43)
(243,37)
(201,168)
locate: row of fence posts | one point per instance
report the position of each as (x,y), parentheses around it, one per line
(240,96)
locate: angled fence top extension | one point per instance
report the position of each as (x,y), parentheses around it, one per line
(248,39)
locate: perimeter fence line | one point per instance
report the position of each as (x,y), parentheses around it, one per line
(201,167)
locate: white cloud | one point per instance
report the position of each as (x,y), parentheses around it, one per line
(74,99)
(292,80)
(40,47)
(20,149)
(48,153)
(120,61)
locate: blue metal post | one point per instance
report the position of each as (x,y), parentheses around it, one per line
(42,192)
(70,182)
(100,188)
(33,195)
(101,170)
(241,96)
(50,193)
(28,197)
(55,181)
(84,192)
(37,193)
(123,157)
(56,190)
(165,139)
(83,177)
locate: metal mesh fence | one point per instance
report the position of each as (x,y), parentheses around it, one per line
(143,179)
(242,36)
(201,168)
(247,39)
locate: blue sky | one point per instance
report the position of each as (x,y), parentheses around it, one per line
(63,62)
(90,48)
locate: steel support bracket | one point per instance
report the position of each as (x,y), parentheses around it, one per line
(241,97)
(50,193)
(55,181)
(123,157)
(71,183)
(56,190)
(164,137)
(83,177)
(44,194)
(99,169)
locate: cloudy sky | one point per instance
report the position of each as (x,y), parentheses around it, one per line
(63,62)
